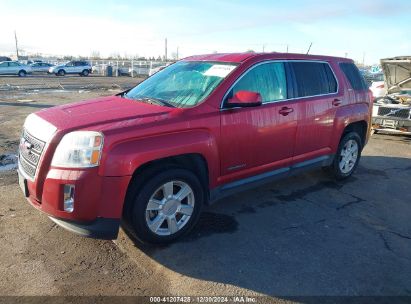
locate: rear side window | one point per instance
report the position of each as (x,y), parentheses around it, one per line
(354,76)
(313,78)
(268,79)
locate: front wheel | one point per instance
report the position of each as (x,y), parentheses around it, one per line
(167,206)
(347,157)
(22,73)
(84,73)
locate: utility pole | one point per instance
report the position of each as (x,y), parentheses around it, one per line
(287,48)
(363,59)
(17,48)
(177,53)
(165,55)
(263,48)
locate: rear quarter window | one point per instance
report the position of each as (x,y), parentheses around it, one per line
(352,73)
(313,78)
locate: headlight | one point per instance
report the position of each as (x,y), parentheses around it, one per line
(79,149)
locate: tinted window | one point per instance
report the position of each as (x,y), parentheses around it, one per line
(313,78)
(267,79)
(353,75)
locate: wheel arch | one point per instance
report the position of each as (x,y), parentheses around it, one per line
(360,127)
(194,162)
(351,118)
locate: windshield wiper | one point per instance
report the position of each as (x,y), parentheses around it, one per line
(156,101)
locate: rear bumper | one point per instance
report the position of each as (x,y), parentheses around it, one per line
(101,228)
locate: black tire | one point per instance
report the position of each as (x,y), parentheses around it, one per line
(22,73)
(334,168)
(61,73)
(137,204)
(85,73)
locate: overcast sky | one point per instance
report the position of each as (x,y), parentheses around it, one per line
(378,28)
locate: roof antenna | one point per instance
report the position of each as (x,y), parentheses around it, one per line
(309,48)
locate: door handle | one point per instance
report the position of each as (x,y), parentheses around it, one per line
(336,102)
(285,111)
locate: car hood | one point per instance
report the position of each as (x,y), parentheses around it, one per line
(103,113)
(397,73)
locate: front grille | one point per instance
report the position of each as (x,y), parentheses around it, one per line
(394,112)
(30,150)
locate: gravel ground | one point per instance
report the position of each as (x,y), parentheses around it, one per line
(306,235)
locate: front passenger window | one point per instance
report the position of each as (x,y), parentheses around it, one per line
(268,79)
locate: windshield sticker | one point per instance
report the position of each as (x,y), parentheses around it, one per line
(219,70)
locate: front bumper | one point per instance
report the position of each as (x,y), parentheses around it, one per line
(101,228)
(98,200)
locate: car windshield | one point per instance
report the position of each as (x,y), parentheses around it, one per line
(183,84)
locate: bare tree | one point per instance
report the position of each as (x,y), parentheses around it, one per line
(95,55)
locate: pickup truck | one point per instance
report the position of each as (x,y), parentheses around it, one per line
(197,131)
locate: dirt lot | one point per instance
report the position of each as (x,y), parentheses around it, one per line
(303,236)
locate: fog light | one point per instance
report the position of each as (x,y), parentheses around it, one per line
(68,198)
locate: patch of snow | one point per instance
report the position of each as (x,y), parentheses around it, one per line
(8,162)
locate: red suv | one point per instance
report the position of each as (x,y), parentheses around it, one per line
(201,129)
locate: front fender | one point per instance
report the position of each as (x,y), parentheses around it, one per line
(125,157)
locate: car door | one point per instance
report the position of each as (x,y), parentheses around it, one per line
(41,67)
(79,66)
(316,90)
(35,67)
(70,68)
(259,139)
(14,68)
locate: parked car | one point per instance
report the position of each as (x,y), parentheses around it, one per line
(40,67)
(378,89)
(197,131)
(392,112)
(14,68)
(83,68)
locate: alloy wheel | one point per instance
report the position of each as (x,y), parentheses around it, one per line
(170,208)
(348,156)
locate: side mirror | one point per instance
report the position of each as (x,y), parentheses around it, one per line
(245,99)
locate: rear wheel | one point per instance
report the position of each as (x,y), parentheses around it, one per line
(22,73)
(347,157)
(167,206)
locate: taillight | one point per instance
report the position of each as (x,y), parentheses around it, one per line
(381,86)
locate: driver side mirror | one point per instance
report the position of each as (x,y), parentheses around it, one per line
(245,99)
